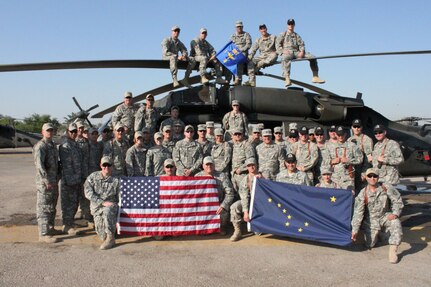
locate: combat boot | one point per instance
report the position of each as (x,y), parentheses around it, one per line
(108,243)
(237,82)
(237,232)
(67,229)
(250,83)
(91,225)
(185,82)
(393,254)
(53,231)
(204,80)
(221,81)
(175,82)
(316,78)
(47,239)
(287,82)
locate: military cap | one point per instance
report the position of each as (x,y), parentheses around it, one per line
(158,135)
(261,126)
(293,126)
(79,125)
(167,128)
(293,133)
(175,28)
(262,26)
(168,161)
(209,124)
(106,160)
(118,126)
(138,135)
(72,127)
(325,170)
(278,130)
(311,131)
(319,131)
(149,96)
(177,124)
(237,131)
(128,95)
(86,128)
(202,127)
(92,130)
(47,126)
(188,127)
(379,128)
(357,122)
(175,108)
(218,132)
(106,129)
(235,102)
(250,161)
(291,22)
(238,24)
(208,159)
(340,130)
(256,129)
(267,132)
(332,128)
(145,130)
(303,130)
(372,171)
(290,157)
(203,30)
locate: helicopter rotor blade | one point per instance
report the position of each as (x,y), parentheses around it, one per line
(367,55)
(88,121)
(92,108)
(77,104)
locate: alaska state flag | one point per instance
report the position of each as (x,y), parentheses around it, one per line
(230,56)
(305,212)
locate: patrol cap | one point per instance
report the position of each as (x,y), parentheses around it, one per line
(177,124)
(278,130)
(149,97)
(238,24)
(92,130)
(189,127)
(218,132)
(372,171)
(291,22)
(261,126)
(158,135)
(325,170)
(202,127)
(208,160)
(357,122)
(290,158)
(209,124)
(167,128)
(256,129)
(47,126)
(128,95)
(319,131)
(106,160)
(79,124)
(250,161)
(235,103)
(293,133)
(86,128)
(145,130)
(168,161)
(332,128)
(118,126)
(107,129)
(175,108)
(262,26)
(237,131)
(293,126)
(311,131)
(267,132)
(303,130)
(340,131)
(138,135)
(175,28)
(203,30)
(379,128)
(72,127)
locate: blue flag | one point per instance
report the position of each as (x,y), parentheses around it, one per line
(230,56)
(305,212)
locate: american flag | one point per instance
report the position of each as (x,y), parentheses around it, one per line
(168,206)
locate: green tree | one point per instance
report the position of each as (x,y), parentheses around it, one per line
(34,123)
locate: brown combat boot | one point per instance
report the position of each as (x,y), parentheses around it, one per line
(53,231)
(67,229)
(108,243)
(204,80)
(237,232)
(287,82)
(47,239)
(237,82)
(393,254)
(316,78)
(175,82)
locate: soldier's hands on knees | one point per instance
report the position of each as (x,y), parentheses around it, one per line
(392,217)
(187,172)
(246,217)
(107,203)
(335,160)
(301,55)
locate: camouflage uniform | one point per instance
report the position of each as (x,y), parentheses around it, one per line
(391,151)
(117,150)
(306,155)
(201,50)
(297,177)
(241,151)
(125,115)
(254,143)
(365,143)
(171,122)
(243,42)
(71,180)
(187,155)
(267,57)
(327,185)
(84,204)
(99,189)
(169,145)
(170,50)
(232,121)
(145,117)
(242,205)
(372,208)
(156,156)
(96,153)
(222,155)
(323,159)
(210,138)
(136,160)
(206,147)
(270,159)
(46,162)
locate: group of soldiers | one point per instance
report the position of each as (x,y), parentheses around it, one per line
(91,165)
(288,45)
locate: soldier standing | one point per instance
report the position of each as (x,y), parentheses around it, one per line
(103,190)
(96,151)
(136,157)
(278,137)
(241,151)
(255,139)
(171,46)
(174,119)
(267,57)
(169,167)
(326,179)
(187,154)
(46,161)
(167,138)
(221,153)
(210,131)
(148,115)
(242,40)
(386,157)
(116,149)
(235,119)
(306,153)
(156,156)
(206,145)
(291,139)
(378,208)
(291,174)
(125,114)
(291,46)
(71,180)
(178,133)
(270,156)
(323,160)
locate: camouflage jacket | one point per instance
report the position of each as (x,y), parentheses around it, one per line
(156,156)
(201,47)
(298,177)
(70,157)
(289,42)
(96,153)
(136,160)
(46,161)
(270,159)
(232,120)
(241,151)
(306,154)
(169,145)
(264,45)
(170,122)
(388,170)
(222,155)
(206,147)
(170,47)
(224,188)
(187,155)
(117,150)
(148,118)
(99,189)
(85,156)
(365,144)
(125,115)
(353,155)
(242,41)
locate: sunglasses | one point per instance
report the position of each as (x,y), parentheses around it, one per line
(106,165)
(277,133)
(372,176)
(378,133)
(120,130)
(189,131)
(237,134)
(73,132)
(169,166)
(291,162)
(256,132)
(356,127)
(292,137)
(168,131)
(202,131)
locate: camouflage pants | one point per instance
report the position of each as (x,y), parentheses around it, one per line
(173,64)
(105,219)
(203,61)
(224,218)
(84,205)
(236,180)
(261,61)
(392,227)
(343,181)
(286,60)
(236,212)
(46,208)
(69,202)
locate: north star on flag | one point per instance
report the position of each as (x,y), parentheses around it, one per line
(305,212)
(168,206)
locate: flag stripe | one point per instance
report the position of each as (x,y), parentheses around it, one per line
(187,187)
(189,205)
(157,212)
(189,200)
(165,224)
(173,228)
(168,217)
(169,233)
(212,192)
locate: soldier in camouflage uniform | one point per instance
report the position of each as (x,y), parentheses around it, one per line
(167,138)
(106,135)
(96,151)
(386,157)
(178,133)
(221,153)
(210,131)
(323,160)
(156,156)
(239,210)
(291,139)
(171,46)
(187,154)
(205,144)
(46,162)
(203,52)
(242,40)
(148,115)
(103,190)
(116,149)
(174,119)
(378,208)
(365,144)
(291,174)
(326,179)
(125,114)
(235,119)
(169,168)
(241,151)
(270,156)
(267,57)
(333,138)
(306,153)
(71,180)
(225,191)
(291,46)
(278,137)
(344,156)
(136,157)
(255,139)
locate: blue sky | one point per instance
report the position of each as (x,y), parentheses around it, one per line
(50,31)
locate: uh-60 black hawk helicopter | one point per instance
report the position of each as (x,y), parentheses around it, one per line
(271,106)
